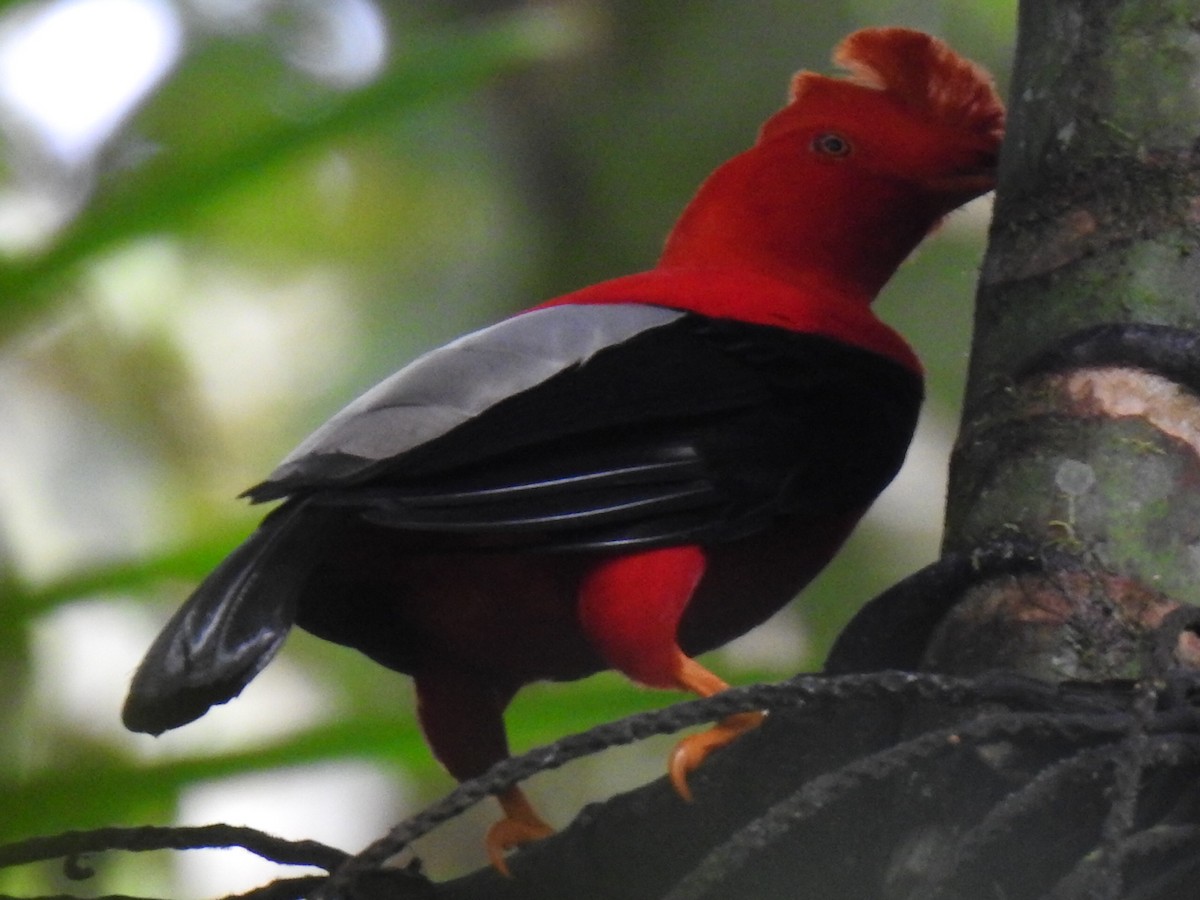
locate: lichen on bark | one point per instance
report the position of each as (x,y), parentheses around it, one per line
(1095,246)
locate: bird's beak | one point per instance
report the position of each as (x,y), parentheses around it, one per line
(974,175)
(966,185)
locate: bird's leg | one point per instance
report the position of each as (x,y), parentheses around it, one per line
(462,714)
(630,607)
(690,752)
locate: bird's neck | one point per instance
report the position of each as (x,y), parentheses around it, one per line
(804,227)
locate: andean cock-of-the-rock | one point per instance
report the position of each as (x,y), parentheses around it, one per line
(628,475)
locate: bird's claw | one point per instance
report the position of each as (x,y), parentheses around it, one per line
(520,825)
(693,750)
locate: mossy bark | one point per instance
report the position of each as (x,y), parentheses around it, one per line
(1080,423)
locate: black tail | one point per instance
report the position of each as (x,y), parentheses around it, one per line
(224,634)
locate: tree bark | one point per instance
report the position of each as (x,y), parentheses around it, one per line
(1081,426)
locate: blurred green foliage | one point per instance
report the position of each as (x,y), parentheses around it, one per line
(507,152)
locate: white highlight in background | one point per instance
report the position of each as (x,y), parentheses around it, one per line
(347,803)
(73,71)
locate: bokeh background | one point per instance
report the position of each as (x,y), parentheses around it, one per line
(219,221)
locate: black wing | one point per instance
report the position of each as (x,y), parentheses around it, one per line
(610,426)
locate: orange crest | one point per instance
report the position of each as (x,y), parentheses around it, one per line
(913,68)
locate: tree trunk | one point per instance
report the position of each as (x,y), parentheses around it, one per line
(1081,425)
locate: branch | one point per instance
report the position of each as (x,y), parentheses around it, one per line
(72,846)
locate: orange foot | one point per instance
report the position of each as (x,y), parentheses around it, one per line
(692,751)
(520,825)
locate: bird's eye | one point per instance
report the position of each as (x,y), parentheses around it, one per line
(831,144)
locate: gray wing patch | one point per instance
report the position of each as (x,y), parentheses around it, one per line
(451,385)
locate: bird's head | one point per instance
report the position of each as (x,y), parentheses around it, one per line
(854,170)
(911,109)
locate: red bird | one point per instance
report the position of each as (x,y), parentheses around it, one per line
(633,473)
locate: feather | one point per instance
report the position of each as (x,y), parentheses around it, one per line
(223,636)
(916,70)
(926,75)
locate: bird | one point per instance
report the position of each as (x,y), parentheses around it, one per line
(631,474)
